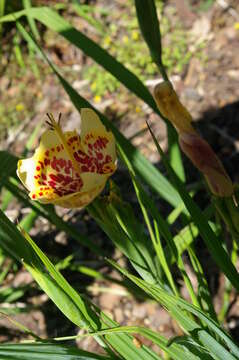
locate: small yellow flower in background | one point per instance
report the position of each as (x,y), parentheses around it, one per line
(20,107)
(236,26)
(192,144)
(137,109)
(69,169)
(135,35)
(107,41)
(97,99)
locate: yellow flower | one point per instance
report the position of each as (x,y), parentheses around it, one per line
(20,107)
(236,26)
(135,35)
(107,41)
(69,169)
(97,99)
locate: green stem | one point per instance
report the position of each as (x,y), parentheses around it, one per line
(228,286)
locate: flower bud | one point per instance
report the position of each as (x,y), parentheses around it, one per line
(171,108)
(196,148)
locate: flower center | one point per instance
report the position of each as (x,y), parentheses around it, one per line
(57,128)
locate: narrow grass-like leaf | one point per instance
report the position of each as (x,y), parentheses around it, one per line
(203,294)
(8,165)
(13,242)
(118,221)
(2,7)
(149,25)
(84,12)
(155,237)
(182,241)
(175,158)
(47,351)
(150,28)
(28,221)
(27,5)
(60,280)
(20,326)
(163,229)
(6,198)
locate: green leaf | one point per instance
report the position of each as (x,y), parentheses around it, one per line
(119,222)
(28,221)
(175,158)
(11,240)
(8,165)
(47,351)
(87,317)
(27,5)
(14,243)
(2,7)
(149,25)
(150,28)
(84,12)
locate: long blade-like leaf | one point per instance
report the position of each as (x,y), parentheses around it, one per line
(47,351)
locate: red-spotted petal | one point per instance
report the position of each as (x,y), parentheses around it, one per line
(98,153)
(93,185)
(50,174)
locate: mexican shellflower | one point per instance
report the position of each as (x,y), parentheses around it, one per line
(70,169)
